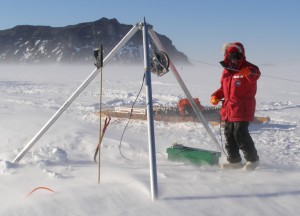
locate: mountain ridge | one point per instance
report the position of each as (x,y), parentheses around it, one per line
(75,43)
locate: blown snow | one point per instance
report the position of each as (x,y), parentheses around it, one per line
(62,160)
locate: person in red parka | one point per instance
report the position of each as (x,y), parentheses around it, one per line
(237,93)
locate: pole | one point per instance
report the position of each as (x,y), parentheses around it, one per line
(74,95)
(186,91)
(151,137)
(100,110)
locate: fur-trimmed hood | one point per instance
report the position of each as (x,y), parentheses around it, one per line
(233,47)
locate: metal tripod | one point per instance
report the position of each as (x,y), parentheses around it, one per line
(151,137)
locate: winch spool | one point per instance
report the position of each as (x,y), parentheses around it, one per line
(160,63)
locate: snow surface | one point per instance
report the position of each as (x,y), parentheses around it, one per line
(62,160)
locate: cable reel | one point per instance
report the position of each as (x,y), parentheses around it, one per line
(160,63)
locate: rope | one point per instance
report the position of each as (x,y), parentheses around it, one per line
(39,188)
(222,137)
(279,78)
(130,118)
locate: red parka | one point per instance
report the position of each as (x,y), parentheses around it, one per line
(237,91)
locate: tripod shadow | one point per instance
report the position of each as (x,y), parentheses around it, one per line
(237,196)
(271,127)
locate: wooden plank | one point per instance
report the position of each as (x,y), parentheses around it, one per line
(212,116)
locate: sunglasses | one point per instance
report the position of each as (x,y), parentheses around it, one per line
(235,56)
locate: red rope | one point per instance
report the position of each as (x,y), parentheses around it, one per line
(38,188)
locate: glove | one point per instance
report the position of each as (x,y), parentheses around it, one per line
(245,72)
(214,100)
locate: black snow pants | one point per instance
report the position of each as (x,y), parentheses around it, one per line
(238,138)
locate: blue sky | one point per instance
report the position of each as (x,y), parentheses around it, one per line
(269,29)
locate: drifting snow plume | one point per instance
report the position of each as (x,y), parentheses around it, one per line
(5,166)
(51,155)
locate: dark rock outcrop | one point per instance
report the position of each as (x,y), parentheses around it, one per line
(75,43)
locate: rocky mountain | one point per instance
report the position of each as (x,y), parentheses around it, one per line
(75,43)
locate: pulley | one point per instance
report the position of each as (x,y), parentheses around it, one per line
(160,63)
